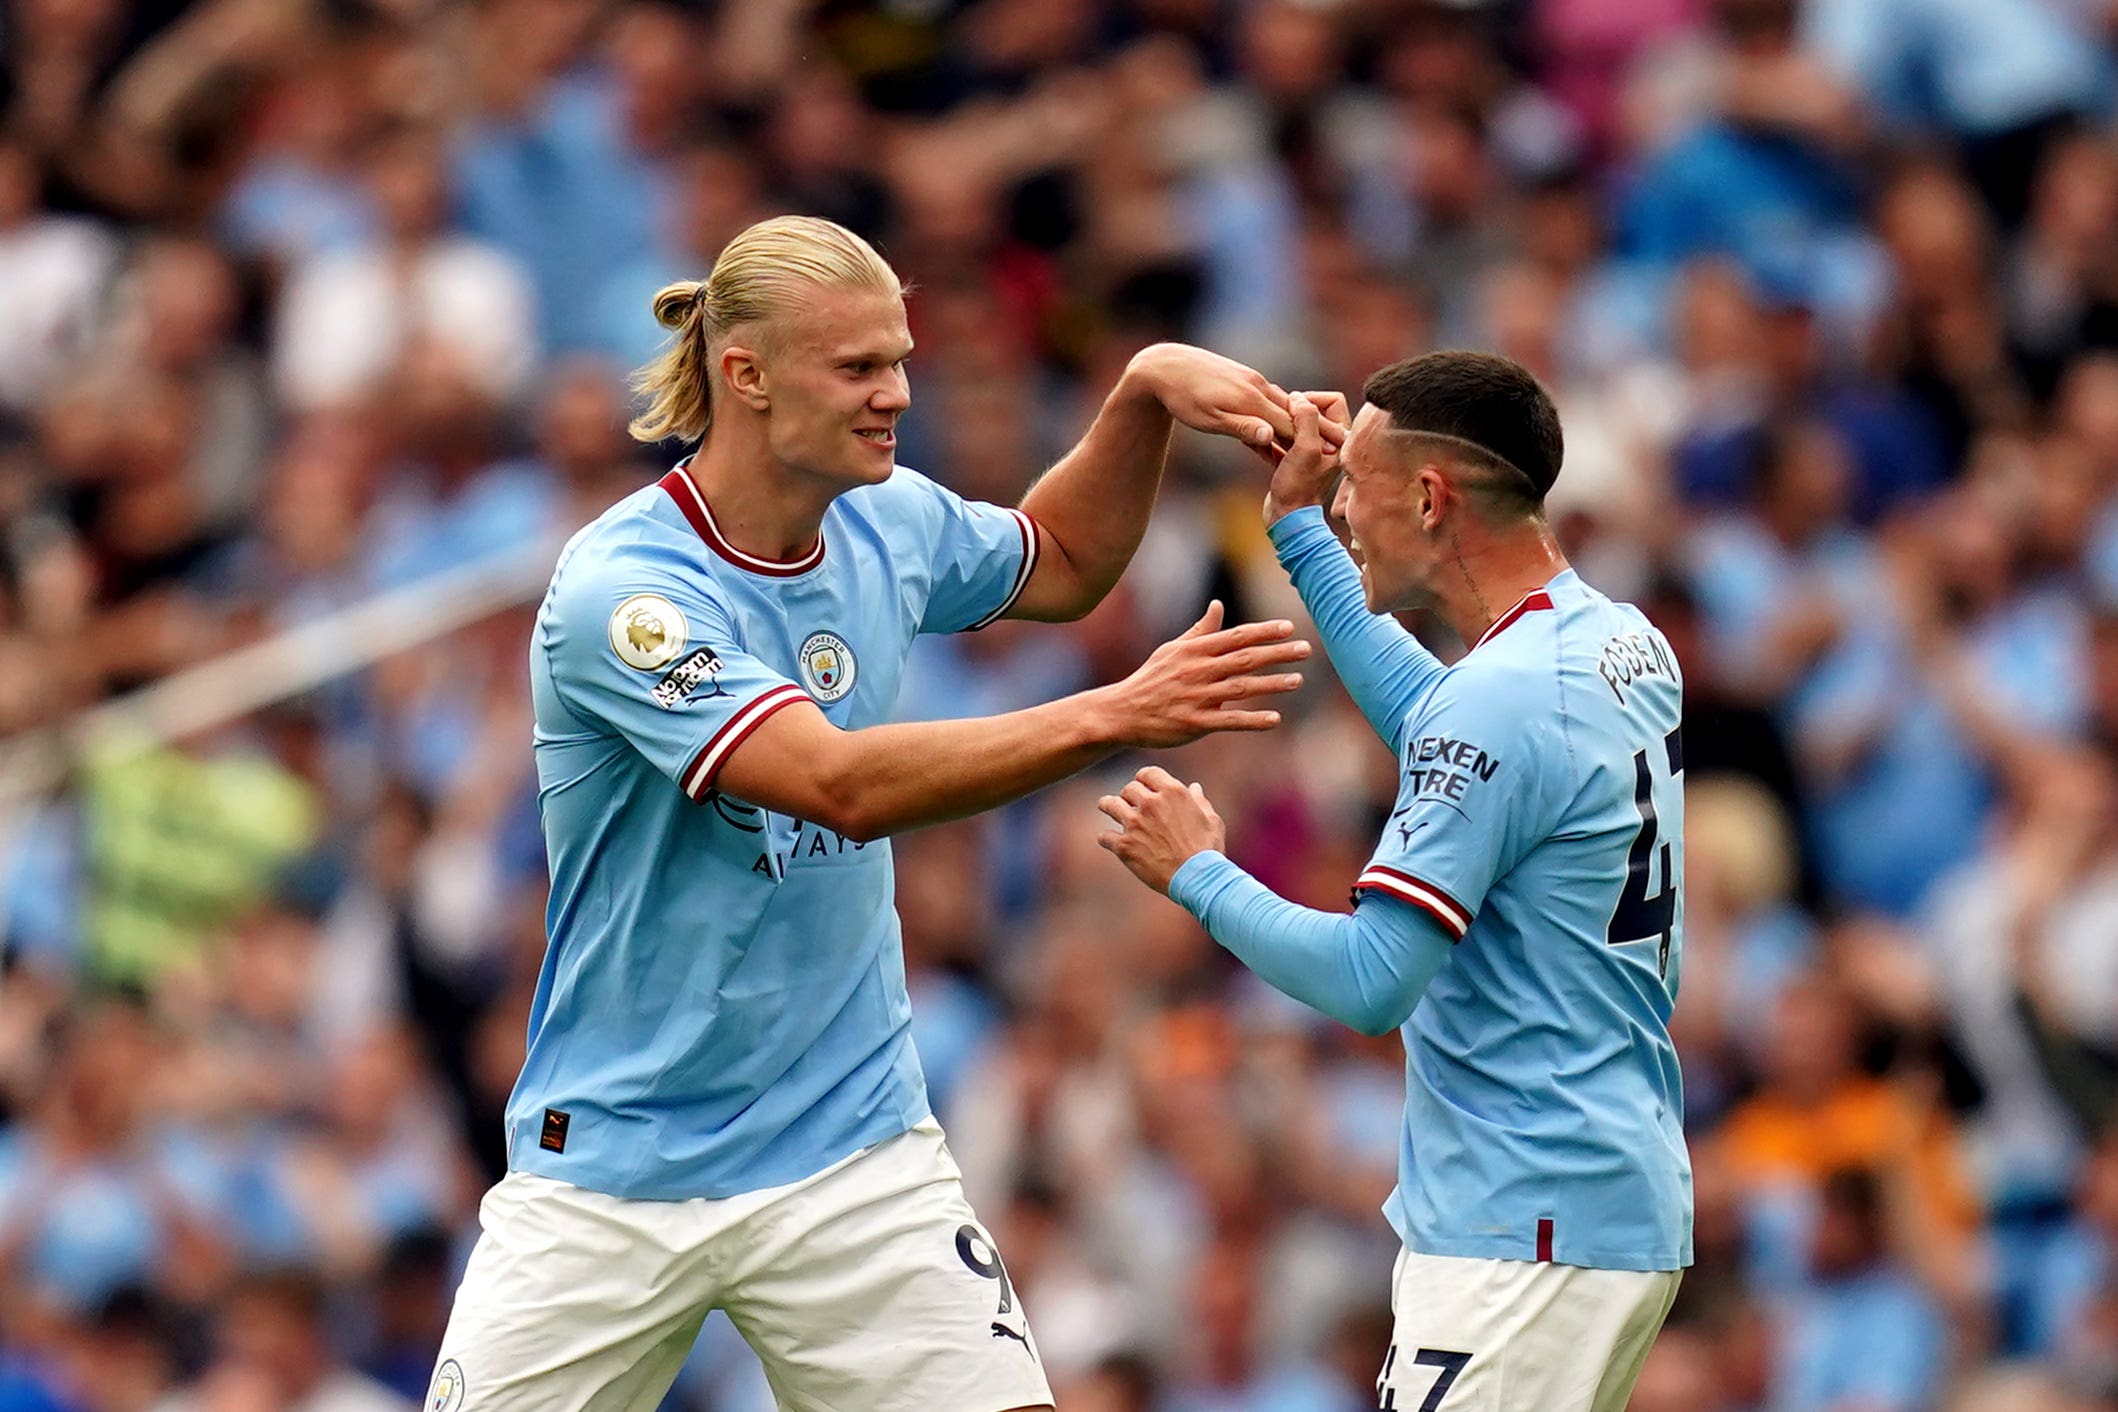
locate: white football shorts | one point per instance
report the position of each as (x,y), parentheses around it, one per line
(869,1287)
(1517,1336)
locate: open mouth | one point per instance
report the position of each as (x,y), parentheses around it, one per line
(885,437)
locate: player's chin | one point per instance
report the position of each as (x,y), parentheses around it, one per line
(1381,597)
(872,464)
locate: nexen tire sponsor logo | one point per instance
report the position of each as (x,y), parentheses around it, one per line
(685,678)
(1426,761)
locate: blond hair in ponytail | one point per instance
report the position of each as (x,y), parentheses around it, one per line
(756,279)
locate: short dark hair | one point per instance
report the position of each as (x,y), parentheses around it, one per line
(1490,403)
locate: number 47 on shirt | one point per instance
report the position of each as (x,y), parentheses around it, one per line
(1449,1363)
(1640,915)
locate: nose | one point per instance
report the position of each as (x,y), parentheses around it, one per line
(1341,500)
(895,394)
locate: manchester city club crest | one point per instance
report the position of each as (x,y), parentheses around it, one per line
(447,1393)
(827,666)
(648,631)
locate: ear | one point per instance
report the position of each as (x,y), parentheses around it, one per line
(1431,497)
(743,373)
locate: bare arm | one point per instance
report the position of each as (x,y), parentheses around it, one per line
(1092,507)
(871,783)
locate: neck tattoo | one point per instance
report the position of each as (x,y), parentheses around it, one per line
(1485,614)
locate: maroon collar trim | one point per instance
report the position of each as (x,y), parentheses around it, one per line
(685,491)
(1533,601)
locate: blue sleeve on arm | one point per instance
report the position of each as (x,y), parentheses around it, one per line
(1384,667)
(1366,970)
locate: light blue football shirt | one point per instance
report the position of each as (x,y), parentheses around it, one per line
(1540,821)
(722,1003)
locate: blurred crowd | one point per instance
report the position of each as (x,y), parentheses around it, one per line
(305,301)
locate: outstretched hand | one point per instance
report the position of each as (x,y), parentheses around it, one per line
(1190,685)
(1210,393)
(1304,469)
(1161,822)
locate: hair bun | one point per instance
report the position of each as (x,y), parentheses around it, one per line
(674,302)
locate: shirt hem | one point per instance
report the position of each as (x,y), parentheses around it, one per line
(527,1157)
(1027,528)
(705,767)
(1523,1249)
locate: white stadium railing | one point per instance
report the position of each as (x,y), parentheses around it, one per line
(237,683)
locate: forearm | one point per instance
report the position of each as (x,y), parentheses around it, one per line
(2016,746)
(1384,668)
(1093,506)
(888,779)
(1367,970)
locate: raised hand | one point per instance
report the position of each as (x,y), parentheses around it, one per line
(1214,394)
(1189,686)
(1303,471)
(1161,822)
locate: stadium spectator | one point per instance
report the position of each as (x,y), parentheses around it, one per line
(302,303)
(1860,1333)
(348,320)
(272,1348)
